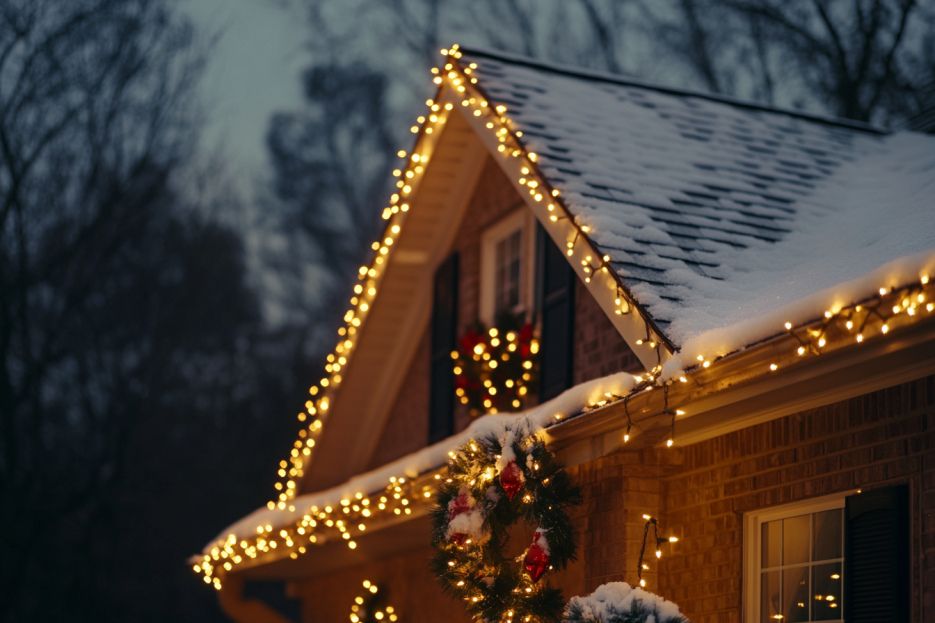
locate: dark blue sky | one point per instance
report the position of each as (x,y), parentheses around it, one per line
(252,71)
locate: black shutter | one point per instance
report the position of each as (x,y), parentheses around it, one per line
(444,328)
(876,556)
(557,305)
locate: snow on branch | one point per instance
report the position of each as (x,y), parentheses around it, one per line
(618,602)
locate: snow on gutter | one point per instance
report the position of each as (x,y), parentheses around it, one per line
(572,402)
(871,225)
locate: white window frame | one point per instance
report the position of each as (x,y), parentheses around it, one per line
(521,219)
(753,550)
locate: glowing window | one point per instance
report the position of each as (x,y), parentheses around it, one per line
(795,563)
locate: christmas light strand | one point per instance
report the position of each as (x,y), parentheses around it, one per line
(894,305)
(651,524)
(875,313)
(578,243)
(368,608)
(494,368)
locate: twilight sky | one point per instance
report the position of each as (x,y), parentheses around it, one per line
(252,71)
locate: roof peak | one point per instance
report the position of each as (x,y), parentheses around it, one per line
(619,79)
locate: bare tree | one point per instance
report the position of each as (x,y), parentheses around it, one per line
(860,59)
(126,320)
(331,161)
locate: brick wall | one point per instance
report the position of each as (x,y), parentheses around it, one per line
(700,493)
(493,198)
(404,580)
(599,349)
(881,438)
(407,427)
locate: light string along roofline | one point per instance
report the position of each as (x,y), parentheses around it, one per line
(511,145)
(229,552)
(292,469)
(889,303)
(319,525)
(347,519)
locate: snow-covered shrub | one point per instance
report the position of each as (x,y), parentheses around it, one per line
(618,602)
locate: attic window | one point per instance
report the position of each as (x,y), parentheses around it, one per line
(507,252)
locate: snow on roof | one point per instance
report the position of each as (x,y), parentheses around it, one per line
(567,404)
(724,219)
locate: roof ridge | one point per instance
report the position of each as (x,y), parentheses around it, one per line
(589,74)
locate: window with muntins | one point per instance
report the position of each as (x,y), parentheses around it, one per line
(508,267)
(797,556)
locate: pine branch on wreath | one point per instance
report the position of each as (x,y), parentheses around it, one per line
(492,483)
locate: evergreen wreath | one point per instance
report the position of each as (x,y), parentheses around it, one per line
(494,367)
(492,483)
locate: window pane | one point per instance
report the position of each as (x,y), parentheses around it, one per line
(771,539)
(513,280)
(826,592)
(769,597)
(795,539)
(508,270)
(827,535)
(795,595)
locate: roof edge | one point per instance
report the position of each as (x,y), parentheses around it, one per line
(587,74)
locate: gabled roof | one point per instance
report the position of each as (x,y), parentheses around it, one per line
(716,212)
(702,225)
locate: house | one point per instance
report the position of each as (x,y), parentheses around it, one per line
(734,344)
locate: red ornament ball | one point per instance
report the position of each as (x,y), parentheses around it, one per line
(462,503)
(512,479)
(536,561)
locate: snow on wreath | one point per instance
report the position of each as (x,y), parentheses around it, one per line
(618,602)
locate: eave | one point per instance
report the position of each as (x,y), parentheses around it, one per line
(738,392)
(764,381)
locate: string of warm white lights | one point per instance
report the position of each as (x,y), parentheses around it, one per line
(348,519)
(875,312)
(642,565)
(292,469)
(494,368)
(566,225)
(367,609)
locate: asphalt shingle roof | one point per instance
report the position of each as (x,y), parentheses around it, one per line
(679,188)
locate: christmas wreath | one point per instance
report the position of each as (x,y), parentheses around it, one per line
(492,483)
(494,367)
